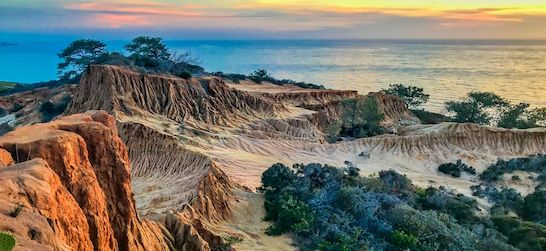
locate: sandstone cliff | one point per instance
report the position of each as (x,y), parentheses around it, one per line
(326,104)
(72,176)
(165,122)
(208,100)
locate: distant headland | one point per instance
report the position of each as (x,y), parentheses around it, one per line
(7,44)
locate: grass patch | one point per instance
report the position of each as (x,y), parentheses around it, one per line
(16,211)
(7,85)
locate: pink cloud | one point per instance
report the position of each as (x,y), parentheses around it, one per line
(134,13)
(118,21)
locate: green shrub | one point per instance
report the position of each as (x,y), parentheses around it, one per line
(259,76)
(293,215)
(522,234)
(533,164)
(455,169)
(277,177)
(185,75)
(427,117)
(404,241)
(17,107)
(520,116)
(361,118)
(435,231)
(50,110)
(413,96)
(5,128)
(344,242)
(477,108)
(234,77)
(7,242)
(534,207)
(460,207)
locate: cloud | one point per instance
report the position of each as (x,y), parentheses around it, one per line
(254,19)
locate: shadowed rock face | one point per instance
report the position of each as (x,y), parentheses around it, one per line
(29,103)
(74,172)
(395,110)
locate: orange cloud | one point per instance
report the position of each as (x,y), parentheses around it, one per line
(283,15)
(118,21)
(134,13)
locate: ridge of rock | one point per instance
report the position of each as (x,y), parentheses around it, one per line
(85,165)
(208,99)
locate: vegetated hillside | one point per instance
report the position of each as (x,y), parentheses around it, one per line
(331,208)
(6,85)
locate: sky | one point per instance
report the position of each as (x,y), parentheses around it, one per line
(273,19)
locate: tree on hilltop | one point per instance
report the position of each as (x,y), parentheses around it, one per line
(477,108)
(77,56)
(151,47)
(413,96)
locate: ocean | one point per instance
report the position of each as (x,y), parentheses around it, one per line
(446,69)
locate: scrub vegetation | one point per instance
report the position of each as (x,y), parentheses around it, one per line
(327,208)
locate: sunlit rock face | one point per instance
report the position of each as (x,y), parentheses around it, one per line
(72,177)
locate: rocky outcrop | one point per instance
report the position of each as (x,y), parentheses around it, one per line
(74,173)
(311,99)
(25,108)
(327,104)
(51,219)
(5,158)
(396,114)
(209,100)
(169,176)
(158,118)
(178,186)
(425,139)
(395,111)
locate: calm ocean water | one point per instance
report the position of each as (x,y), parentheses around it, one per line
(447,69)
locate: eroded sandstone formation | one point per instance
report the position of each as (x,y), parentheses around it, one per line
(73,174)
(208,100)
